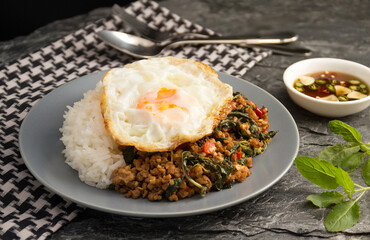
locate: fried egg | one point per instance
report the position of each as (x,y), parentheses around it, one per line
(161,103)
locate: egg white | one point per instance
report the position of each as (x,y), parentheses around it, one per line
(150,130)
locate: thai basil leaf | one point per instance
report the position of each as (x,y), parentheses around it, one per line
(228,124)
(242,160)
(366,172)
(349,133)
(173,187)
(248,151)
(128,154)
(222,170)
(236,145)
(352,162)
(149,154)
(186,155)
(228,184)
(220,139)
(237,94)
(343,216)
(242,116)
(328,153)
(318,172)
(112,186)
(272,134)
(336,154)
(326,199)
(344,180)
(365,148)
(353,145)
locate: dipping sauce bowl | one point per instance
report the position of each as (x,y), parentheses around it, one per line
(324,107)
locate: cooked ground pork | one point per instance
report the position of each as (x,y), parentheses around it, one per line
(214,162)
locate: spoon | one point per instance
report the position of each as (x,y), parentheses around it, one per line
(144,48)
(145,31)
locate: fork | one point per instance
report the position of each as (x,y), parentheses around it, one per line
(144,30)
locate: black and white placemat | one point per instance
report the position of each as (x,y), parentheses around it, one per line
(27,209)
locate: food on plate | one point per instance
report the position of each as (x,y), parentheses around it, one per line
(164,128)
(161,103)
(215,162)
(332,86)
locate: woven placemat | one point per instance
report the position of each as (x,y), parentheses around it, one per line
(28,209)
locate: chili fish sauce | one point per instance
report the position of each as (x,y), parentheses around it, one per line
(333,86)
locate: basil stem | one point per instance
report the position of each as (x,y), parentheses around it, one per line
(184,157)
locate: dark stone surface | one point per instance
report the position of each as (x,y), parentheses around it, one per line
(331,29)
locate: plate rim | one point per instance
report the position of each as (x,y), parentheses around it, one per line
(143,214)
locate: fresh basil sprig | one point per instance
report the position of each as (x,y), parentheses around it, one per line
(349,133)
(330,171)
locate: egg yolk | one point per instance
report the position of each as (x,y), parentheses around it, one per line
(170,105)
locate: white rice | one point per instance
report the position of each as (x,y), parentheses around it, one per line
(89,148)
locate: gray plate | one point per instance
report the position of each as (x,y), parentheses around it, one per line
(41,150)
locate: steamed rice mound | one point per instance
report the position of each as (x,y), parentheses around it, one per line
(89,148)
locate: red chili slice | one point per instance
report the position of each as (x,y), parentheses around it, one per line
(233,105)
(258,112)
(239,155)
(264,110)
(209,148)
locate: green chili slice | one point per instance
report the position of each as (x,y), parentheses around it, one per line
(298,84)
(342,98)
(354,82)
(320,81)
(314,87)
(334,81)
(331,88)
(364,90)
(362,86)
(300,89)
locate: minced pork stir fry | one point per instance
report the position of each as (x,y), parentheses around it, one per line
(214,162)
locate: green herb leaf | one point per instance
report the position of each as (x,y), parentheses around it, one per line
(321,172)
(352,162)
(112,186)
(349,133)
(186,155)
(353,145)
(343,216)
(366,172)
(173,187)
(328,154)
(365,148)
(336,154)
(326,199)
(343,179)
(128,154)
(318,172)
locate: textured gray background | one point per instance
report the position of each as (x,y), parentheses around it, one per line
(330,29)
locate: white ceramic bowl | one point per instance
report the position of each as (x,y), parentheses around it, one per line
(323,107)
